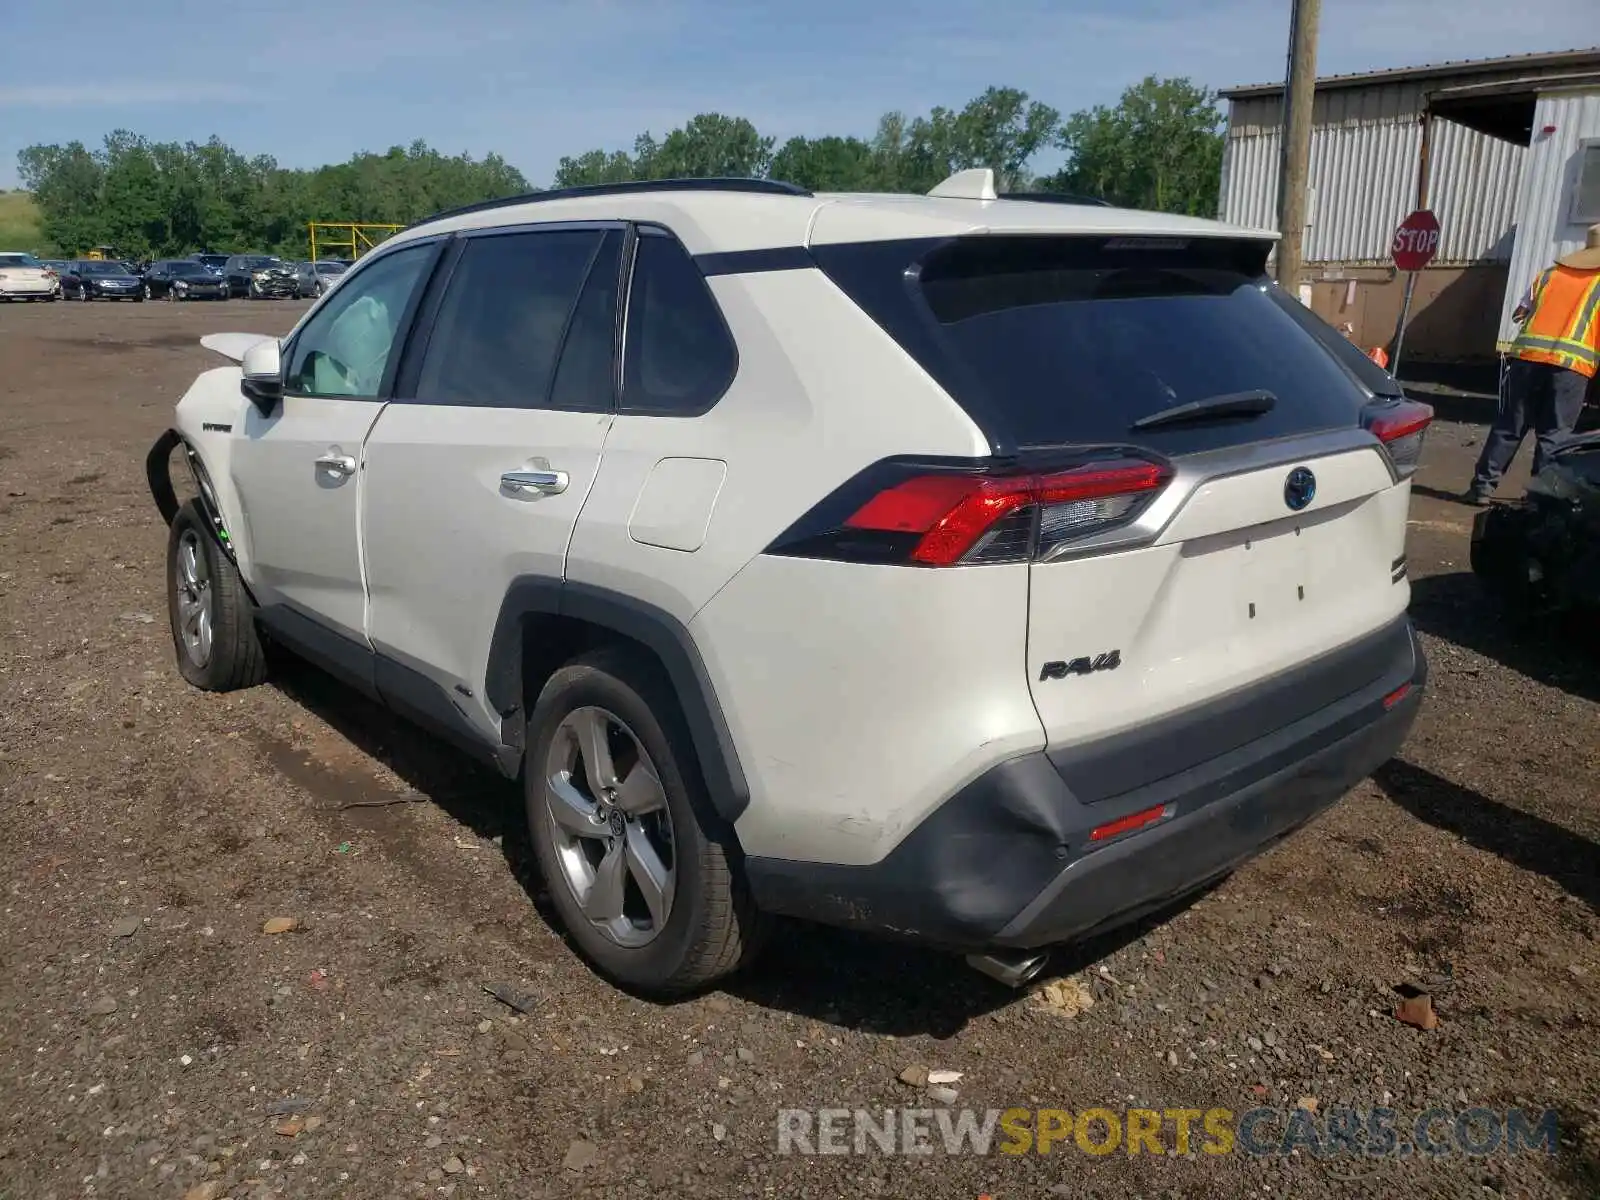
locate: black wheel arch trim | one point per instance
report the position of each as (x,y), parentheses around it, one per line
(158,474)
(656,630)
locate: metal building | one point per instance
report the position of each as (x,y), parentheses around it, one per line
(1506,152)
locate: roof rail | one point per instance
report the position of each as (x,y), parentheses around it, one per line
(766,187)
(1056,198)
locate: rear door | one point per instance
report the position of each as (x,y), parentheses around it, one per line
(478,470)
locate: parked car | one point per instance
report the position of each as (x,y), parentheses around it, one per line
(314,278)
(259,276)
(59,265)
(980,572)
(182,279)
(24,277)
(89,279)
(212,262)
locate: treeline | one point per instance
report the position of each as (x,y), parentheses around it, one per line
(162,198)
(1160,148)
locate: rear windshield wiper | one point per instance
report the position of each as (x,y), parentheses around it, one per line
(1230,404)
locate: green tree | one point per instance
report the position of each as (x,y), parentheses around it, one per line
(1160,148)
(826,164)
(710,145)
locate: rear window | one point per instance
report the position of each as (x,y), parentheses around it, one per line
(1051,340)
(19,260)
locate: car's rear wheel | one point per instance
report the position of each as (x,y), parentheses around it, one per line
(644,875)
(213,620)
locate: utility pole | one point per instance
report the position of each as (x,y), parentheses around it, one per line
(1294,145)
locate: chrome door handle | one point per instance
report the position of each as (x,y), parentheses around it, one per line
(551,483)
(337,464)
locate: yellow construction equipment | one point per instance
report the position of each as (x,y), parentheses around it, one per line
(346,239)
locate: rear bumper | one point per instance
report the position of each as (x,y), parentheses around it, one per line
(1009,861)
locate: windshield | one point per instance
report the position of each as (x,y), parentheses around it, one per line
(254,262)
(330,268)
(19,260)
(189,268)
(102,268)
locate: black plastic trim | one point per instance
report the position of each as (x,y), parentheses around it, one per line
(659,632)
(335,652)
(1120,764)
(158,474)
(413,695)
(1008,860)
(751,262)
(400,688)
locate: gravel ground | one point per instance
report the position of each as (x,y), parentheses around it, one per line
(155,1042)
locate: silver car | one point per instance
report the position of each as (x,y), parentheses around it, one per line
(314,278)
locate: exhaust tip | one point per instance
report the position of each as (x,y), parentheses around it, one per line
(1013,970)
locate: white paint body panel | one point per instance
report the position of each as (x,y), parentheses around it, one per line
(302,521)
(1180,611)
(861,697)
(821,394)
(444,539)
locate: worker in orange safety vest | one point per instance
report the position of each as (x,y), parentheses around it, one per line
(1549,366)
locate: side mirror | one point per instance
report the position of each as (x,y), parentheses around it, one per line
(262,369)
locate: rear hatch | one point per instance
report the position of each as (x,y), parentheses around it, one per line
(1205,506)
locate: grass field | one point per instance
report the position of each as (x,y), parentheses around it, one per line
(19,223)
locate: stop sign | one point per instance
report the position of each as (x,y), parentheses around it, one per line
(1416,241)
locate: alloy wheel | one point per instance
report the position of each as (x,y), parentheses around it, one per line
(610,826)
(192,582)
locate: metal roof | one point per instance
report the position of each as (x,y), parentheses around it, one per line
(1553,60)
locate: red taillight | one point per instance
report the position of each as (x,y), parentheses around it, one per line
(1129,823)
(1394,697)
(964,517)
(1401,427)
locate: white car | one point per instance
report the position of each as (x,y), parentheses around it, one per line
(24,277)
(979,571)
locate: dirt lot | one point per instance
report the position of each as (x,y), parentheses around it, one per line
(157,1044)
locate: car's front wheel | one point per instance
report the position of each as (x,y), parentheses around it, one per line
(645,876)
(213,622)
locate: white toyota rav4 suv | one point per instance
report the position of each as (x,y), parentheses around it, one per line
(982,571)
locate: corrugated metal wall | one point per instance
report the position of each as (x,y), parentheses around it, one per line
(1545,202)
(1364,148)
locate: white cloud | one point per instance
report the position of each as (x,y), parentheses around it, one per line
(114,94)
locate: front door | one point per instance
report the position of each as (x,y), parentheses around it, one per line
(298,469)
(477,470)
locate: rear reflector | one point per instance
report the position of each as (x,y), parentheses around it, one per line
(978,518)
(1129,823)
(1399,694)
(1400,426)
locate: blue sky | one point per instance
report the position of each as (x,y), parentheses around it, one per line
(314,81)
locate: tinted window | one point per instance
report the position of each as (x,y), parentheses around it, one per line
(678,355)
(189,270)
(19,260)
(1059,340)
(586,376)
(504,316)
(344,349)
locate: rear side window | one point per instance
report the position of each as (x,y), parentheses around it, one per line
(679,356)
(505,315)
(1065,340)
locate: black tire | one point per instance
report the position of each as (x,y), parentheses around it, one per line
(236,658)
(712,928)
